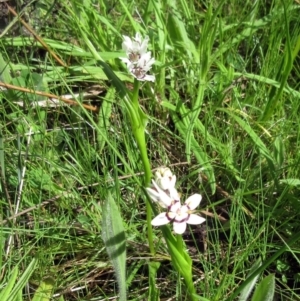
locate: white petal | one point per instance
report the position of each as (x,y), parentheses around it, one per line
(154,195)
(163,172)
(149,78)
(174,195)
(173,181)
(127,44)
(163,183)
(195,219)
(193,201)
(160,220)
(126,61)
(179,228)
(143,48)
(163,197)
(146,61)
(138,37)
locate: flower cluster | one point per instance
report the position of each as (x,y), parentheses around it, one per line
(164,192)
(138,60)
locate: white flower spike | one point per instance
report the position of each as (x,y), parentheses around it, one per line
(180,215)
(138,60)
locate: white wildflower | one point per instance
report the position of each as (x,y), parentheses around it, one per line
(180,215)
(138,60)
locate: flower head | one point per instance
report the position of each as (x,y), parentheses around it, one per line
(135,47)
(180,215)
(138,60)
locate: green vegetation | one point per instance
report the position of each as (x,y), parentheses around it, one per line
(223,114)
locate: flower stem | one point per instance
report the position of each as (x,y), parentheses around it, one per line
(139,133)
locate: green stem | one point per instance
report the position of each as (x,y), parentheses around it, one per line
(139,133)
(188,276)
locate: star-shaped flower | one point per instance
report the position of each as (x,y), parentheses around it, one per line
(180,215)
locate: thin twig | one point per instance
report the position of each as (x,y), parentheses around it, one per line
(68,101)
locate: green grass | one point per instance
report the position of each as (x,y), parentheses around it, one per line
(223,114)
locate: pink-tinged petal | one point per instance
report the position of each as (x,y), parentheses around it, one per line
(179,228)
(175,207)
(195,219)
(193,201)
(160,220)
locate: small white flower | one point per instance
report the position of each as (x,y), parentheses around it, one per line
(180,215)
(164,178)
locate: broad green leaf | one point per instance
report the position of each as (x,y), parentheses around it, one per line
(9,286)
(113,235)
(291,182)
(44,291)
(4,71)
(246,291)
(23,280)
(265,289)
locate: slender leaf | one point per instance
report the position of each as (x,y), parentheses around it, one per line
(113,235)
(23,280)
(245,293)
(4,295)
(265,290)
